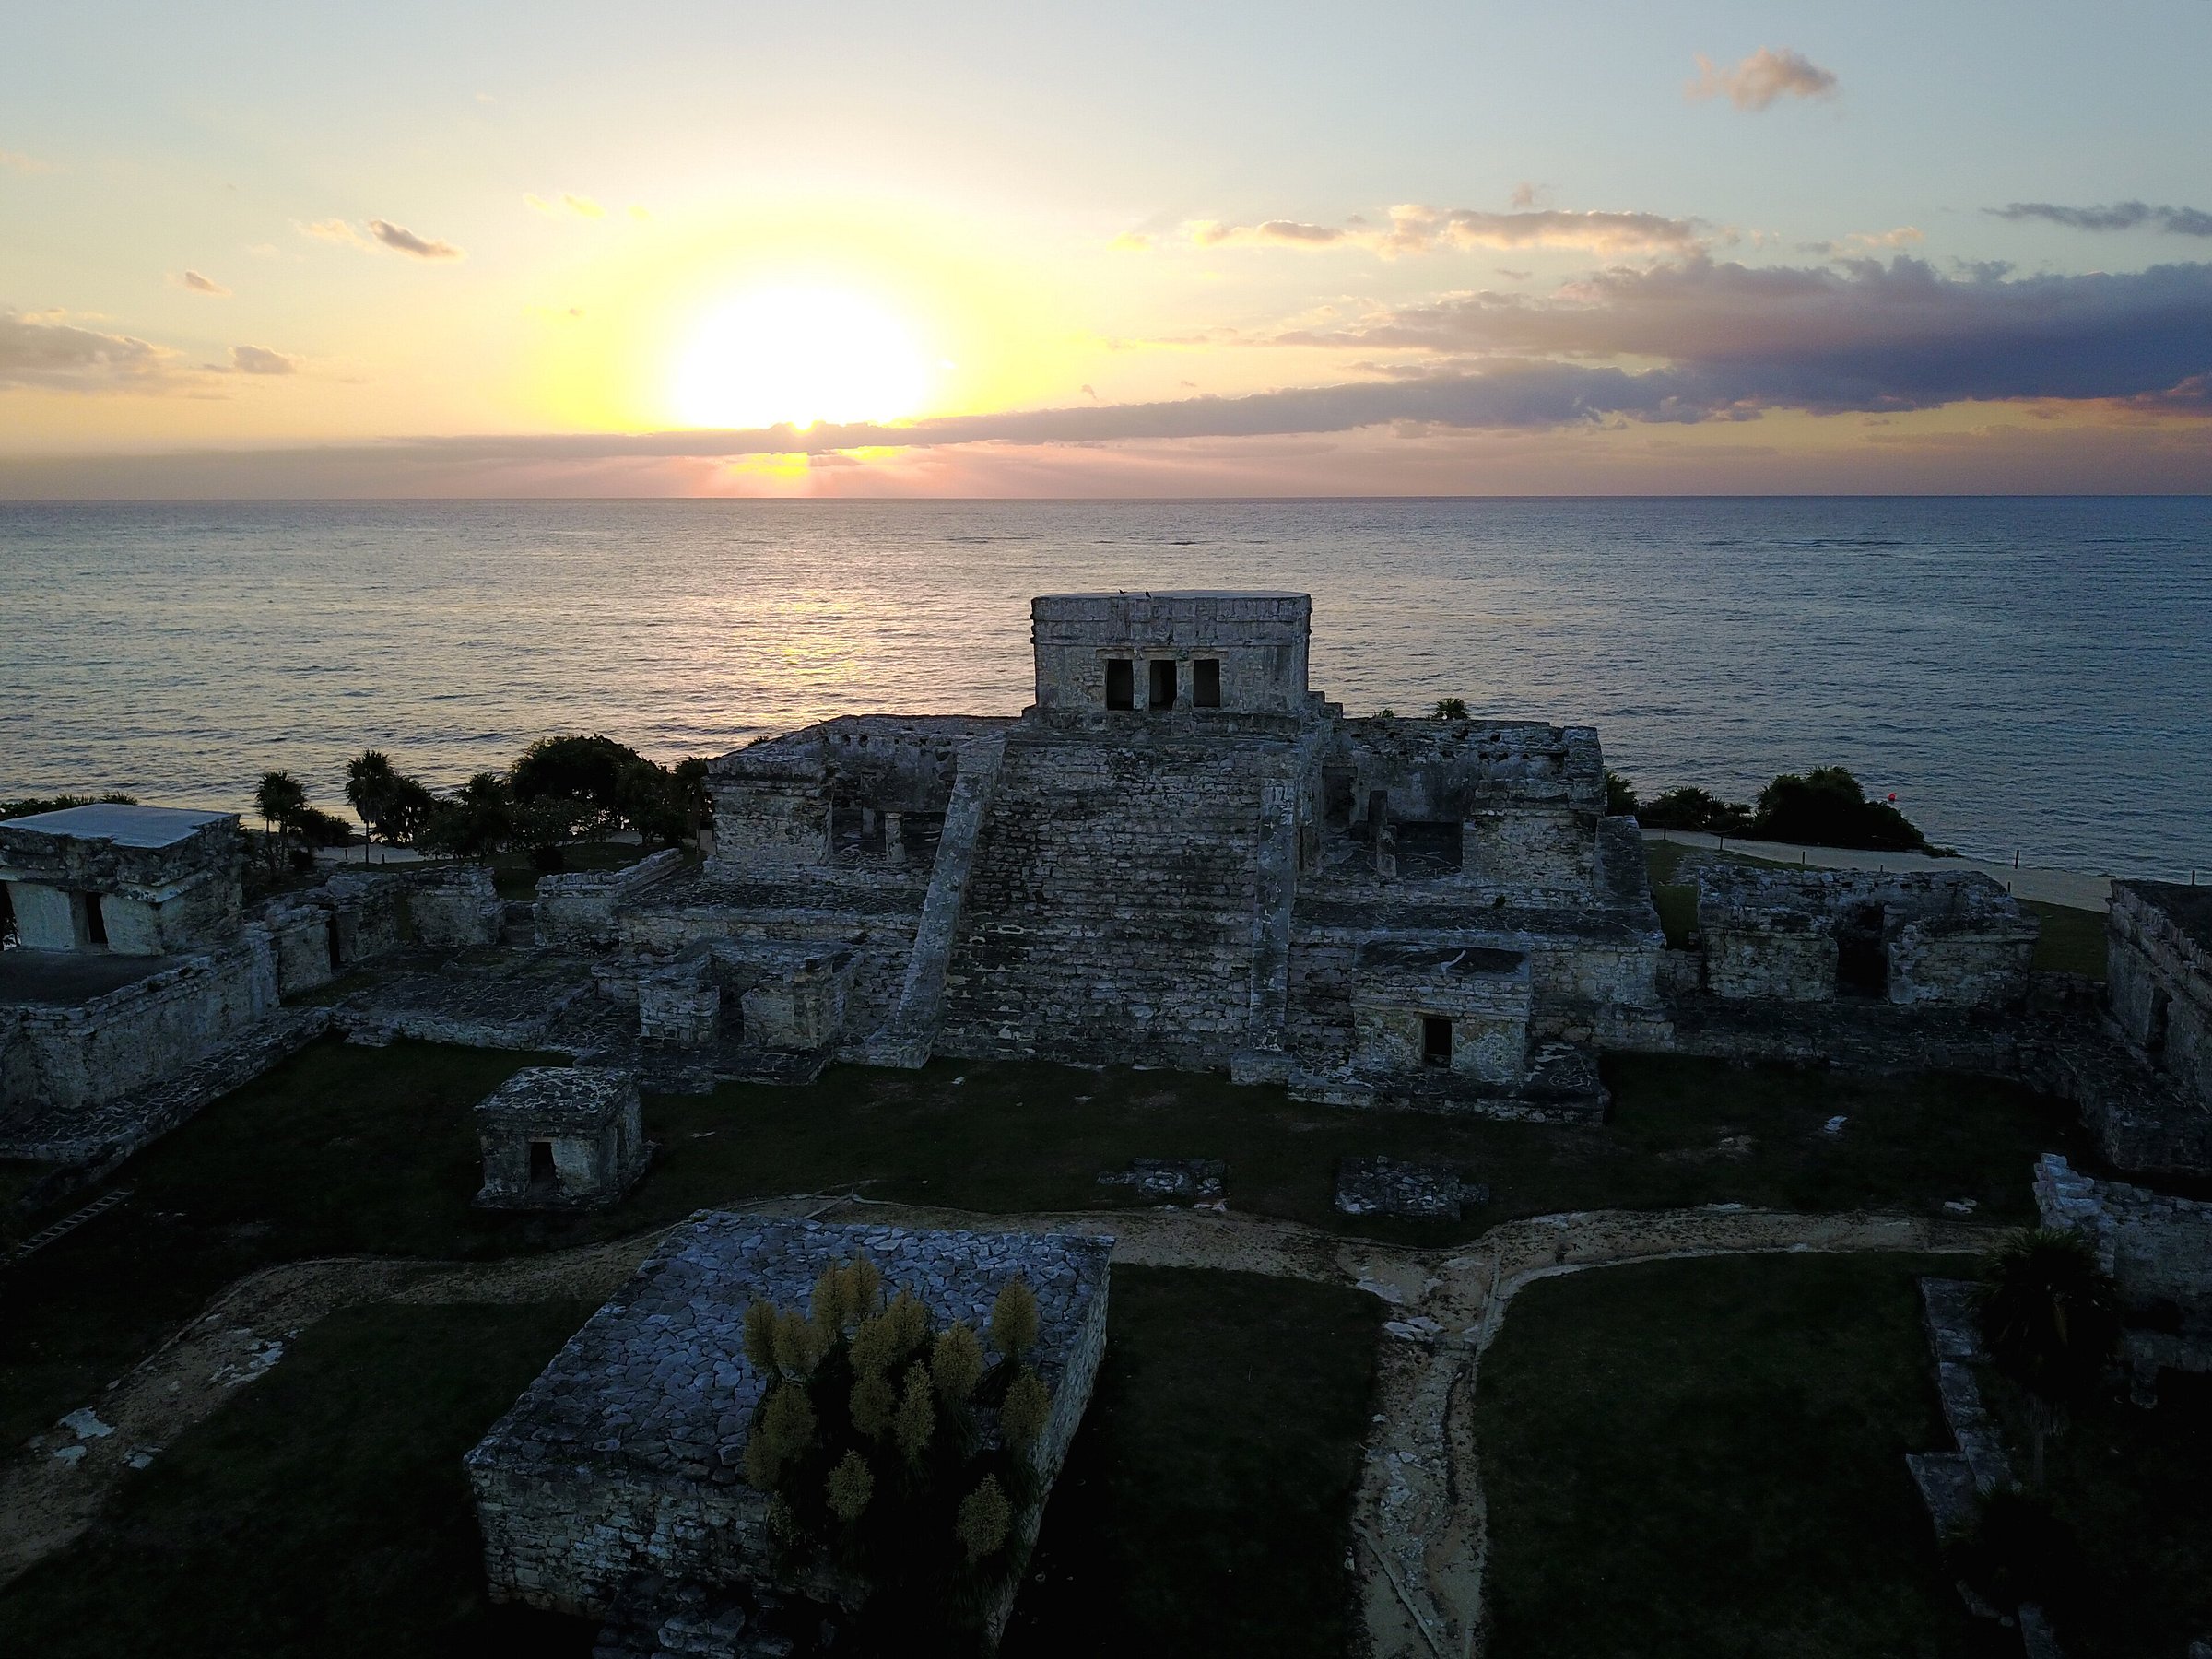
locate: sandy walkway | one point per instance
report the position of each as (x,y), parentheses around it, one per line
(1418,1515)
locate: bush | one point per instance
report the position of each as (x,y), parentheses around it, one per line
(1826,808)
(1694,809)
(32,804)
(1621,796)
(1451,708)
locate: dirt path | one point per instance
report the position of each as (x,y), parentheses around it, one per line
(1418,1515)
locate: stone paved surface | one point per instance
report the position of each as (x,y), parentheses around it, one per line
(1171,1180)
(1385,1187)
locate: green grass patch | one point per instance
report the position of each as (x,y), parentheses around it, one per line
(1205,1506)
(322,1511)
(344,1151)
(2072,941)
(1706,1460)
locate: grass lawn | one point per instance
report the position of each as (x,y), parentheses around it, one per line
(2072,942)
(345,1150)
(1706,1459)
(1205,1506)
(2135,1489)
(322,1511)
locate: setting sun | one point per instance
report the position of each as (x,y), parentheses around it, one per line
(799,355)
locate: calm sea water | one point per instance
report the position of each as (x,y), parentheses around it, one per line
(2032,673)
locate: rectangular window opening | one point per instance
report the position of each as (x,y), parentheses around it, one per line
(96,923)
(1121,683)
(1436,1039)
(1162,689)
(541,1164)
(1206,683)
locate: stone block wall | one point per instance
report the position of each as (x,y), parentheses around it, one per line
(680,1003)
(92,1052)
(1114,900)
(1772,964)
(1258,639)
(1980,968)
(1541,849)
(579,909)
(457,908)
(802,1009)
(181,895)
(2159,951)
(2159,1247)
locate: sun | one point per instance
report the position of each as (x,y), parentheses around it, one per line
(799,355)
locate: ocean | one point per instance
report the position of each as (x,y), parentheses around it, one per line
(2029,675)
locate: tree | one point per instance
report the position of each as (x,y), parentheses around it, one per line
(1826,808)
(1621,796)
(280,798)
(478,822)
(368,783)
(1688,808)
(1451,708)
(2050,1321)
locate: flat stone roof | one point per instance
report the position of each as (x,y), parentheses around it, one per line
(1173,593)
(557,1098)
(658,1380)
(66,978)
(124,826)
(2189,908)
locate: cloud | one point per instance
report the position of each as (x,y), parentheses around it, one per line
(2119,215)
(402,240)
(198,284)
(568,202)
(1760,79)
(381,232)
(17,161)
(48,355)
(1130,241)
(1524,193)
(260,359)
(1857,336)
(1415,228)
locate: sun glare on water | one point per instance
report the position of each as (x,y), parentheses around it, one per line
(800,355)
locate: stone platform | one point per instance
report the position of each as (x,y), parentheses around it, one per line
(625,1455)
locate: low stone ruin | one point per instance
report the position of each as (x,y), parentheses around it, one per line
(1429,1191)
(1171,1180)
(626,1457)
(560,1137)
(2156,1246)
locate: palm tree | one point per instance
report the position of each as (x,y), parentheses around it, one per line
(280,798)
(370,781)
(2050,1319)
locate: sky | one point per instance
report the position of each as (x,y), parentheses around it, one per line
(1138,250)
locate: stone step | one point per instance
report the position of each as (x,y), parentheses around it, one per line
(68,1224)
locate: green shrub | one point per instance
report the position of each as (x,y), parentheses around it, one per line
(1826,808)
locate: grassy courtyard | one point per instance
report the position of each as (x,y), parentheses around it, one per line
(1205,1506)
(1706,1460)
(345,1150)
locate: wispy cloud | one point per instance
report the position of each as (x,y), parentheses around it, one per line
(401,240)
(259,360)
(2118,215)
(38,352)
(1760,79)
(568,202)
(1415,228)
(195,283)
(17,162)
(381,232)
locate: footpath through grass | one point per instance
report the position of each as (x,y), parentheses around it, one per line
(1705,1460)
(345,1150)
(1205,1507)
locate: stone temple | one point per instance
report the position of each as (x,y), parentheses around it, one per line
(1179,854)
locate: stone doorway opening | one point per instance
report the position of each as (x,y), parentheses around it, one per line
(1121,683)
(1862,960)
(542,1172)
(96,922)
(1435,1041)
(1161,691)
(1206,683)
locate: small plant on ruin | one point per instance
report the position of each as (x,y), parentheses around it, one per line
(897,1452)
(2050,1319)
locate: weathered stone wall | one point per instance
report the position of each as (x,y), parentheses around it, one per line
(1439,770)
(84,1053)
(1259,640)
(680,1002)
(180,896)
(1772,963)
(457,908)
(2159,1247)
(1979,968)
(579,908)
(2158,953)
(1487,1007)
(1115,898)
(1533,849)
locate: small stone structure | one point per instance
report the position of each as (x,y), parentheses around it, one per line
(560,1137)
(579,908)
(136,880)
(456,907)
(625,1455)
(1171,1180)
(1922,939)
